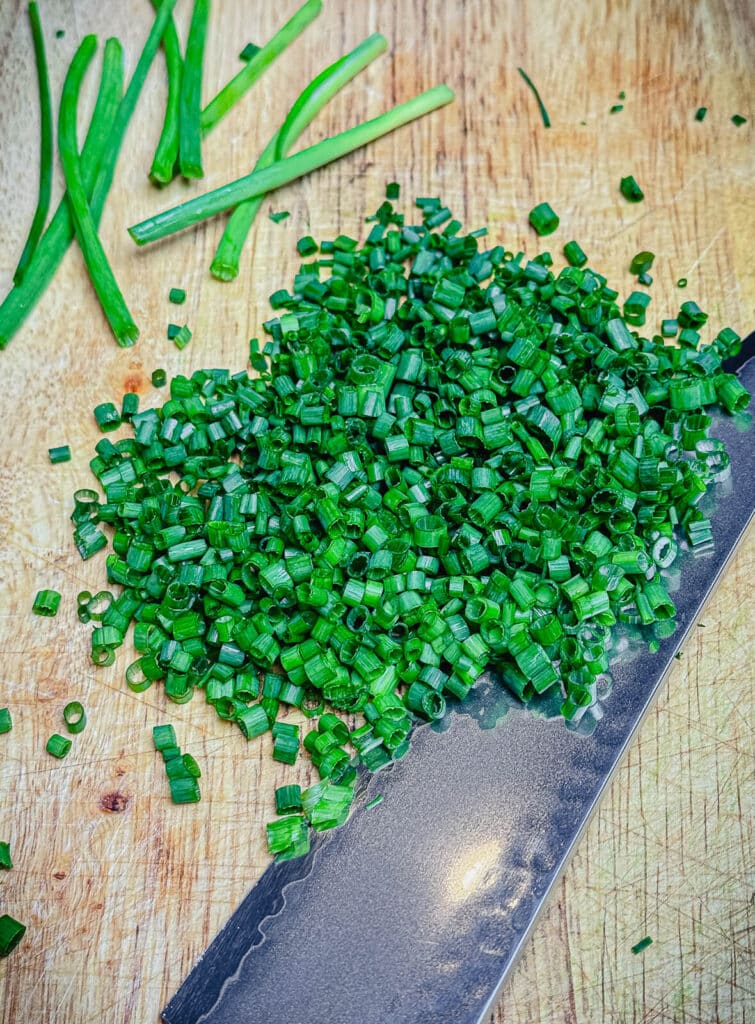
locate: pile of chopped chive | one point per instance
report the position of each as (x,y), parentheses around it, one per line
(454,459)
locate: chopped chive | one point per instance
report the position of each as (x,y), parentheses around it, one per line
(631,190)
(11,933)
(75,717)
(163,736)
(616,108)
(641,262)
(276,218)
(58,746)
(392,190)
(645,279)
(642,945)
(59,33)
(701,112)
(536,94)
(177,296)
(249,51)
(166,154)
(374,802)
(185,791)
(182,337)
(159,376)
(6,721)
(622,95)
(574,254)
(543,219)
(173,331)
(737,120)
(59,454)
(288,169)
(46,602)
(682,282)
(5,858)
(669,328)
(225,265)
(107,417)
(45,145)
(306,246)
(254,68)
(190,106)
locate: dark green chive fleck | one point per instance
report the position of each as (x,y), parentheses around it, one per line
(107,416)
(306,246)
(543,219)
(177,296)
(58,745)
(11,933)
(392,190)
(159,377)
(574,254)
(682,282)
(249,51)
(59,33)
(631,190)
(60,454)
(276,218)
(701,112)
(645,279)
(46,602)
(737,120)
(6,721)
(173,331)
(616,108)
(642,945)
(5,859)
(182,337)
(641,262)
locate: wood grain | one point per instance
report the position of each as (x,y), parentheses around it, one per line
(121,890)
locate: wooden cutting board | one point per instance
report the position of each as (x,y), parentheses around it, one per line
(120,889)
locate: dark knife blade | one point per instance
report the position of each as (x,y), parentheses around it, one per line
(417,909)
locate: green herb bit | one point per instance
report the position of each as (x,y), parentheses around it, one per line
(701,112)
(669,328)
(111,299)
(59,33)
(58,746)
(11,933)
(682,282)
(306,246)
(6,721)
(642,945)
(249,51)
(543,219)
(575,255)
(276,218)
(374,802)
(185,791)
(616,108)
(182,337)
(75,717)
(631,190)
(159,376)
(622,95)
(737,120)
(189,119)
(165,159)
(164,736)
(536,94)
(177,296)
(642,262)
(45,146)
(46,602)
(107,417)
(645,279)
(5,859)
(59,454)
(392,190)
(288,169)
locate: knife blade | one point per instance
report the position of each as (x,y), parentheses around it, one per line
(416,910)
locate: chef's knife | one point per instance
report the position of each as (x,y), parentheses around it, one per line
(414,912)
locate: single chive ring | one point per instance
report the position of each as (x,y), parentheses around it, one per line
(75,717)
(46,602)
(6,721)
(543,219)
(11,933)
(58,745)
(59,454)
(631,190)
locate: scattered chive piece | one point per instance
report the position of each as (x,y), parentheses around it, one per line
(631,190)
(645,278)
(177,296)
(75,717)
(166,154)
(111,299)
(185,791)
(191,766)
(59,33)
(163,736)
(6,721)
(46,603)
(682,282)
(574,254)
(536,94)
(233,90)
(225,265)
(306,246)
(622,95)
(392,190)
(45,148)
(287,169)
(58,745)
(159,376)
(107,416)
(182,338)
(249,51)
(173,331)
(616,108)
(5,860)
(669,328)
(59,454)
(276,218)
(190,106)
(701,112)
(641,262)
(11,933)
(288,799)
(635,308)
(737,119)
(374,802)
(642,945)
(543,219)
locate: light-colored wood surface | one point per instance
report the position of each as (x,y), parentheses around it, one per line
(120,902)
